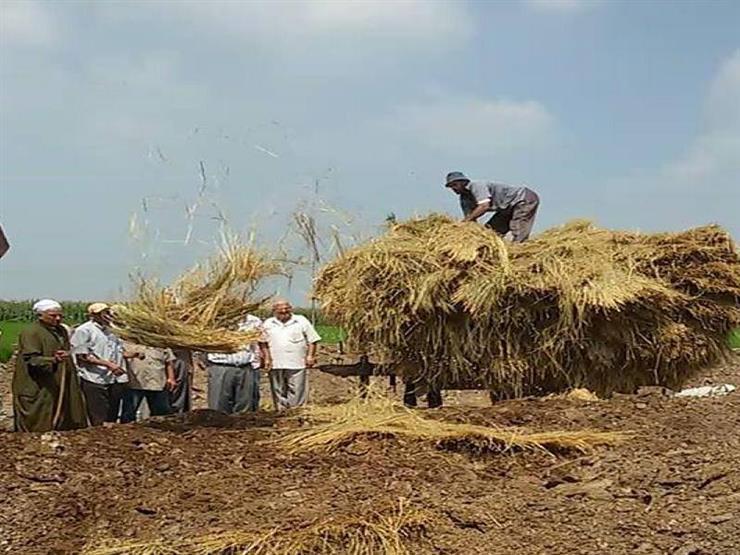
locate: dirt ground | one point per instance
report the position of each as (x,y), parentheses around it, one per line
(674,488)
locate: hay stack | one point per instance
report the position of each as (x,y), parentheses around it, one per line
(201,310)
(578,306)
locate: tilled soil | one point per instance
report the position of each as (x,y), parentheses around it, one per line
(673,488)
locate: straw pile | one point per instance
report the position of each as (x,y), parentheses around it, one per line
(202,309)
(388,532)
(379,416)
(578,306)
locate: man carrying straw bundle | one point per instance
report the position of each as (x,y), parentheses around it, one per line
(514,208)
(46,390)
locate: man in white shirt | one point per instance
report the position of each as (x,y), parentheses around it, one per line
(290,348)
(234,378)
(99,356)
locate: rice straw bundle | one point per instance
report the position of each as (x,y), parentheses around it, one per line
(386,532)
(577,306)
(379,416)
(202,308)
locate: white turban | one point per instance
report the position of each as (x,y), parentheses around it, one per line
(46,304)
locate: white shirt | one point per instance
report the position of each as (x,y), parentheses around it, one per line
(249,356)
(289,341)
(91,338)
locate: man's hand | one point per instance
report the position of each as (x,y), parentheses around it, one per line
(170,384)
(61,356)
(116,369)
(267,365)
(310,361)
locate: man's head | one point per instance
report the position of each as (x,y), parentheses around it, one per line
(282,310)
(49,312)
(457,181)
(100,313)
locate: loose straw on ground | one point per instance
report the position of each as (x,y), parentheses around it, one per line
(380,416)
(390,532)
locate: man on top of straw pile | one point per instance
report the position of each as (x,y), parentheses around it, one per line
(289,348)
(46,390)
(234,378)
(514,208)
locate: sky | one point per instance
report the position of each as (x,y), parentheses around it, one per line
(133,133)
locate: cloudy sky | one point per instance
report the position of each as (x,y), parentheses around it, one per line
(130,131)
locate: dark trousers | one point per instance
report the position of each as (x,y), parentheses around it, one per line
(434,395)
(233,389)
(180,399)
(103,401)
(157,401)
(519,219)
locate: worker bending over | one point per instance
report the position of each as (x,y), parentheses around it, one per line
(513,208)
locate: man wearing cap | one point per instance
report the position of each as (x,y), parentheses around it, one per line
(99,355)
(46,390)
(513,208)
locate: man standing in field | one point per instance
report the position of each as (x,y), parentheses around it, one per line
(290,348)
(513,208)
(46,390)
(99,354)
(151,375)
(234,378)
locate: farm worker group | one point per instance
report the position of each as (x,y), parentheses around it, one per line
(91,377)
(63,382)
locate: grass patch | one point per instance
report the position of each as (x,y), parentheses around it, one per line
(9,338)
(331,334)
(735,339)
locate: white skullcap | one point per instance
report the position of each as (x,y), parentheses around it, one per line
(46,304)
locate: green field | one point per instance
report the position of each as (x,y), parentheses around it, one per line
(10,331)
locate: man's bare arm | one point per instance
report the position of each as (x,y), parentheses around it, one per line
(478,211)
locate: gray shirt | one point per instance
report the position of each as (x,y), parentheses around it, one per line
(502,197)
(91,338)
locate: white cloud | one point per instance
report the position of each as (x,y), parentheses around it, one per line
(699,187)
(561,6)
(476,126)
(290,22)
(293,22)
(25,23)
(716,151)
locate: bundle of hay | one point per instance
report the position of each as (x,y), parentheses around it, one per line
(386,531)
(200,310)
(578,306)
(379,416)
